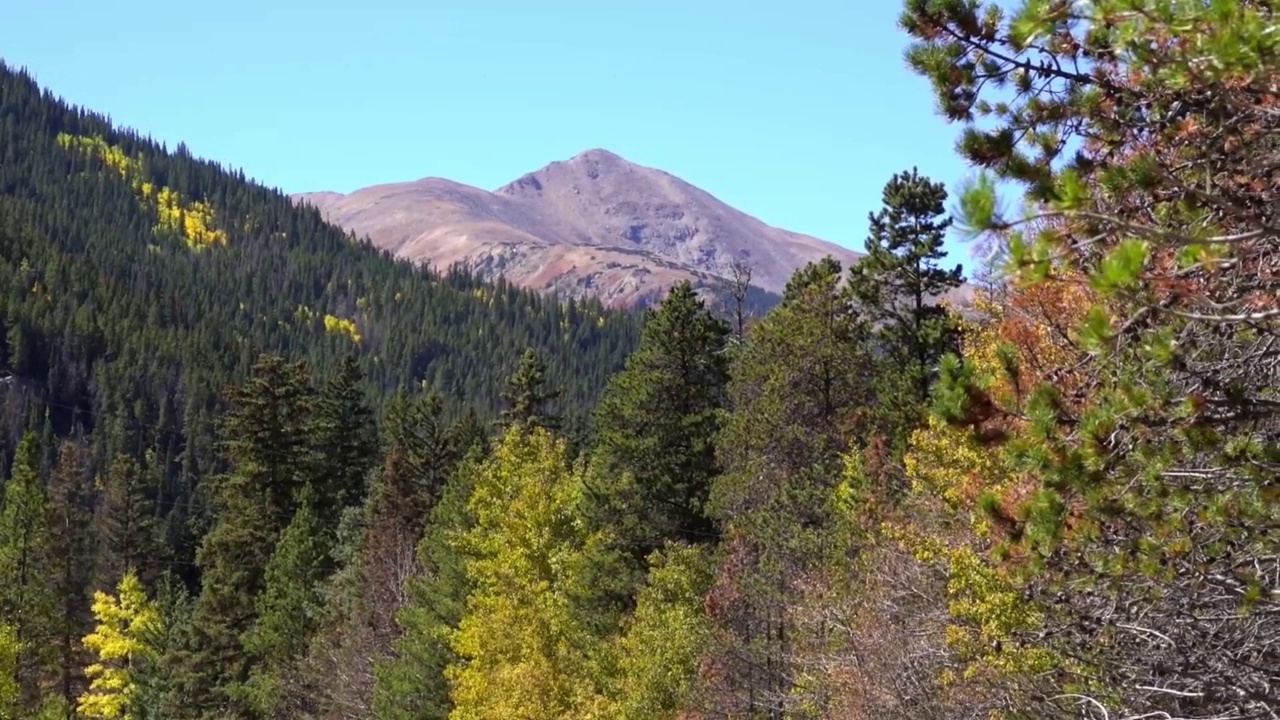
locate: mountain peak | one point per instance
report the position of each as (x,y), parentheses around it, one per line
(595,223)
(598,155)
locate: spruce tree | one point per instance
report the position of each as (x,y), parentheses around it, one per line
(71,544)
(288,607)
(29,601)
(368,592)
(346,442)
(528,397)
(411,684)
(269,453)
(656,427)
(125,525)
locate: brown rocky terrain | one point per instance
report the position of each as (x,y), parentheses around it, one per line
(595,224)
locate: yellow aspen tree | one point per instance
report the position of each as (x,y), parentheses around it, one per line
(524,646)
(120,641)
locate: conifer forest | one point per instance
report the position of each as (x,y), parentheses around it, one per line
(255,467)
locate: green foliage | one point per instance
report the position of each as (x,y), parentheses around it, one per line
(656,426)
(1139,131)
(796,388)
(412,684)
(288,607)
(528,396)
(267,447)
(10,693)
(345,436)
(656,657)
(29,602)
(898,285)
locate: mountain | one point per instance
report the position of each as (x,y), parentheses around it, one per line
(595,224)
(136,281)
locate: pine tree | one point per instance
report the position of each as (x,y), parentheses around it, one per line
(899,282)
(411,684)
(363,630)
(270,455)
(288,607)
(798,388)
(125,525)
(29,601)
(121,641)
(346,441)
(71,543)
(528,397)
(656,427)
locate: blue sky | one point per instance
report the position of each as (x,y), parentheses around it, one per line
(796,112)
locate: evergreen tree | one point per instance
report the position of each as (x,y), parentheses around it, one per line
(125,525)
(269,454)
(288,607)
(798,387)
(29,602)
(527,396)
(656,427)
(371,589)
(71,543)
(899,282)
(411,685)
(345,439)
(469,432)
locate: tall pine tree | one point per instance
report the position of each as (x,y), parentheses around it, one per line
(29,601)
(657,423)
(265,443)
(900,281)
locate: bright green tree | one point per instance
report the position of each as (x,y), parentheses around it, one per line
(288,607)
(411,684)
(655,658)
(10,693)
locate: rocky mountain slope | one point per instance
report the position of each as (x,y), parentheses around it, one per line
(595,224)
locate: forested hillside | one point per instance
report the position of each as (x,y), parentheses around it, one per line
(1058,503)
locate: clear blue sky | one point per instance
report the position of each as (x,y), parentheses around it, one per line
(796,112)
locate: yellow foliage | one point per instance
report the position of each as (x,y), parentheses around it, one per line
(339,325)
(955,475)
(192,220)
(522,647)
(120,640)
(9,691)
